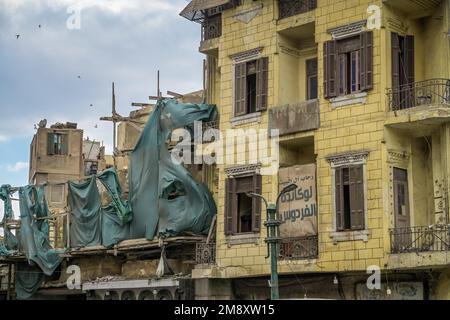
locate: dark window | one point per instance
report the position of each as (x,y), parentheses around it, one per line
(57,144)
(348,65)
(251,85)
(242,213)
(403,70)
(311,79)
(349,195)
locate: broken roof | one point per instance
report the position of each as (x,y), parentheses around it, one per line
(194,11)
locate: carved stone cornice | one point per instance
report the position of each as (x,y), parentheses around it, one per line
(348,29)
(347,158)
(398,156)
(244,170)
(246,55)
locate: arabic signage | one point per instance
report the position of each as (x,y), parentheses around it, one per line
(398,291)
(298,209)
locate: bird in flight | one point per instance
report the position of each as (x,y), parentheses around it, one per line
(17,36)
(39,26)
(91,105)
(79,77)
(96,126)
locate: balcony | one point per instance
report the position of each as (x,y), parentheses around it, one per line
(299,248)
(422,93)
(212,27)
(296,117)
(205,253)
(420,239)
(289,8)
(414,8)
(419,106)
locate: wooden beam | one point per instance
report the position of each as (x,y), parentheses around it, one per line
(157,98)
(174,94)
(142,105)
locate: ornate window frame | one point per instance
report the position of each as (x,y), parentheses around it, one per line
(337,161)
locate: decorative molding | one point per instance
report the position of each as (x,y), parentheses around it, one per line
(350,236)
(397,25)
(249,238)
(348,29)
(244,170)
(341,101)
(398,156)
(341,159)
(248,15)
(246,55)
(289,50)
(245,119)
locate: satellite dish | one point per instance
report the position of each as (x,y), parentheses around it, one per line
(42,123)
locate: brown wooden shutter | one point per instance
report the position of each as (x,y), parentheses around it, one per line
(339,194)
(262,83)
(395,66)
(240,89)
(356,197)
(329,67)
(366,60)
(256,203)
(230,206)
(409,59)
(50,144)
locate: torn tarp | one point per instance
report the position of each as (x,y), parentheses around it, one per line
(34,242)
(85,206)
(153,177)
(10,241)
(92,225)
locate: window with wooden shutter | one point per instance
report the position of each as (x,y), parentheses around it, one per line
(356,197)
(349,198)
(330,57)
(262,84)
(230,206)
(366,60)
(311,79)
(339,202)
(50,144)
(395,66)
(409,58)
(240,91)
(256,205)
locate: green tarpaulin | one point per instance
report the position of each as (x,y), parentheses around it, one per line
(34,242)
(153,176)
(85,207)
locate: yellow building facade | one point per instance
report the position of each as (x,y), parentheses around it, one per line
(359,89)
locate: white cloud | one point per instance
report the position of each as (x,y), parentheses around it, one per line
(18,166)
(3,138)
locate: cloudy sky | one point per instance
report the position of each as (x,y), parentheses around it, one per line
(125,41)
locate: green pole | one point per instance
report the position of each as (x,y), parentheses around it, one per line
(272,240)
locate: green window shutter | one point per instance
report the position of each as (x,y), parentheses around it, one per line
(50,144)
(64,144)
(230,207)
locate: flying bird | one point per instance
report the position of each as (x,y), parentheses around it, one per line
(91,105)
(96,126)
(17,36)
(79,77)
(39,26)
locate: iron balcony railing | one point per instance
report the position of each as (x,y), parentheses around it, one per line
(205,253)
(422,93)
(288,8)
(212,27)
(299,248)
(420,239)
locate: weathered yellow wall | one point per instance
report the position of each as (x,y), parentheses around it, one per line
(354,127)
